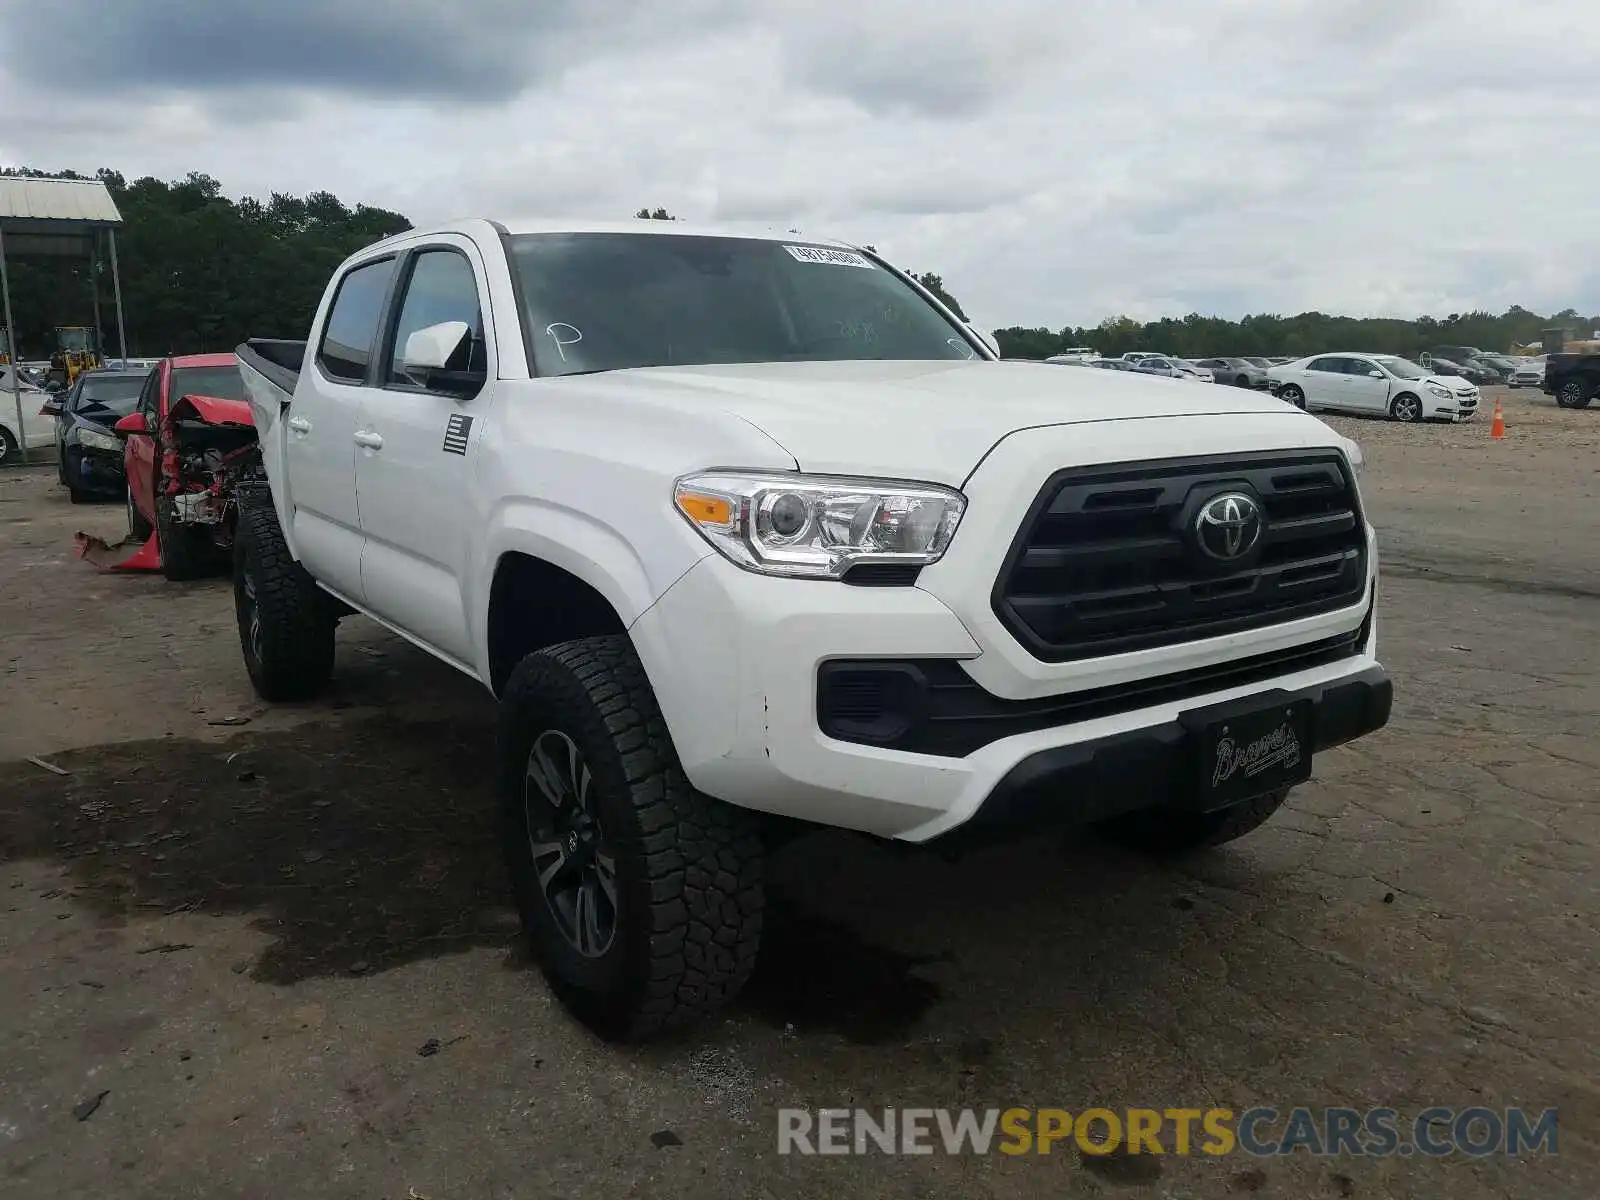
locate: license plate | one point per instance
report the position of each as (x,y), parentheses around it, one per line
(1247,749)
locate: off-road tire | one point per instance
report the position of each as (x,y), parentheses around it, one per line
(688,868)
(1292,395)
(1573,394)
(1164,832)
(139,529)
(290,656)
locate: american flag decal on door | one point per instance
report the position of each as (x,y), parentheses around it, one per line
(456,433)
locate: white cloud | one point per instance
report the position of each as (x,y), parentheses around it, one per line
(1054,165)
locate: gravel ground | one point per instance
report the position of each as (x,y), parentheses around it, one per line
(257,952)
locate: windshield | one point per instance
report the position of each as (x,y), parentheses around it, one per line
(1401,368)
(73,341)
(112,393)
(223,382)
(609,301)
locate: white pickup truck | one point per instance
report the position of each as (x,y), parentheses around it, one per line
(750,533)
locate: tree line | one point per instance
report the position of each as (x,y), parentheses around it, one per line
(203,272)
(199,271)
(1196,336)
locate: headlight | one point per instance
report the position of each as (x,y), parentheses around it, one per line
(98,441)
(1438,390)
(816,527)
(1352,452)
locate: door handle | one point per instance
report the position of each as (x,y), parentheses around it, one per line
(299,425)
(369,440)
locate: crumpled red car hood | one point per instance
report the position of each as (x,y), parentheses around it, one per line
(214,410)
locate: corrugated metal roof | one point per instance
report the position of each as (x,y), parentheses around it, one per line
(57,200)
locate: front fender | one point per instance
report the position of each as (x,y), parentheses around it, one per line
(584,546)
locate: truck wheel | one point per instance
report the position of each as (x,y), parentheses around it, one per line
(1292,395)
(1162,831)
(642,897)
(1573,394)
(285,624)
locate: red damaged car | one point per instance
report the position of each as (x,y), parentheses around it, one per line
(187,441)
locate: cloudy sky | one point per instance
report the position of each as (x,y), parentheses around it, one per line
(1056,163)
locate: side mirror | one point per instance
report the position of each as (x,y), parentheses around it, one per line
(431,348)
(988,339)
(132,425)
(50,408)
(1375,374)
(429,351)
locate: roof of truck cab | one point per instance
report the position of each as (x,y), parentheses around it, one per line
(674,228)
(205,360)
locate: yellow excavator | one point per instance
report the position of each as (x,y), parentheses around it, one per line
(76,352)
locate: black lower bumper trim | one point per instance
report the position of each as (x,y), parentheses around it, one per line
(94,471)
(1153,767)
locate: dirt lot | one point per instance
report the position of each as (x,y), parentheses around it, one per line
(279,956)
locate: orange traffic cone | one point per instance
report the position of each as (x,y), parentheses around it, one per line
(1497,430)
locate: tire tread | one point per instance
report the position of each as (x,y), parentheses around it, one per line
(701,860)
(297,627)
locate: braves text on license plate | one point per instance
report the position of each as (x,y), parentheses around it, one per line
(1245,752)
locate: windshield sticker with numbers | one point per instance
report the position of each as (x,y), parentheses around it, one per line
(824,254)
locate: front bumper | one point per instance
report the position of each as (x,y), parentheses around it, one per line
(1154,766)
(735,657)
(95,470)
(1452,408)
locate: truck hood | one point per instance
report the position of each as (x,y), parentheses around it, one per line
(931,421)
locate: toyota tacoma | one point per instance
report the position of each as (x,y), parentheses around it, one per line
(751,533)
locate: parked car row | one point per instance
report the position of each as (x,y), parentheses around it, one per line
(1165,365)
(1480,367)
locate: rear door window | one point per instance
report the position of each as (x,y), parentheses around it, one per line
(345,352)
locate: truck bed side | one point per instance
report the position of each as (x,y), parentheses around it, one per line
(271,371)
(275,359)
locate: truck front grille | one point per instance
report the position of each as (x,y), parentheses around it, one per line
(1111,559)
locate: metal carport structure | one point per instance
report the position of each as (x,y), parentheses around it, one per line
(56,218)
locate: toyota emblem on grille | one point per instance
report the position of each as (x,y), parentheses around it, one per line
(1228,526)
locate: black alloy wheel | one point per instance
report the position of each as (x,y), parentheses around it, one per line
(575,864)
